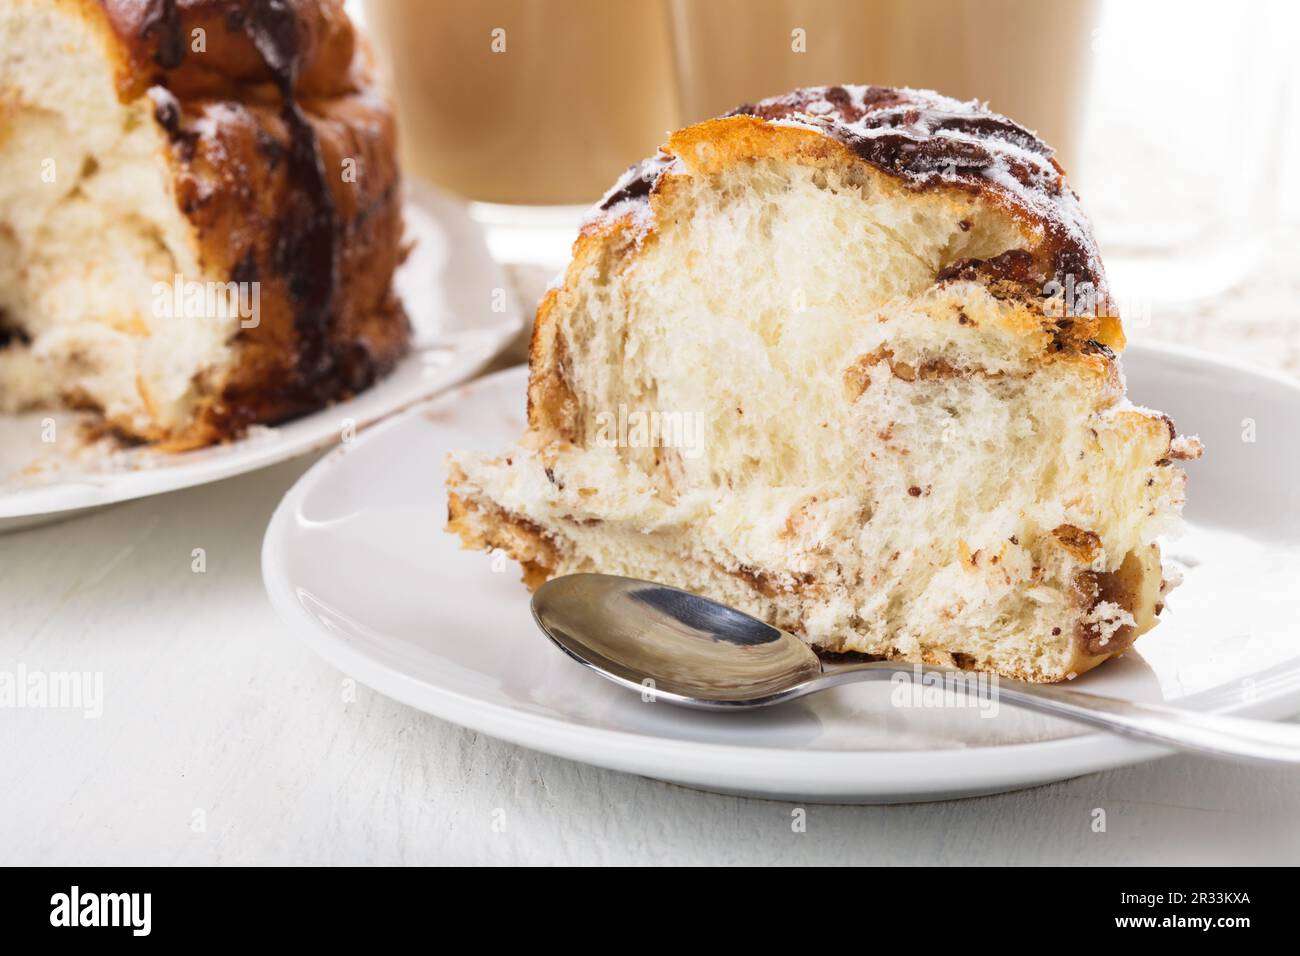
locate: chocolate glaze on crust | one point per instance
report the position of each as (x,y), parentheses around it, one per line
(928,142)
(306,243)
(162,24)
(306,248)
(637,182)
(159,34)
(279,96)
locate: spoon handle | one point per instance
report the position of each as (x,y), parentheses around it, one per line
(1239,738)
(1236,737)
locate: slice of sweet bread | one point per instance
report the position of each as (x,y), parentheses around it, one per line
(845,360)
(200,213)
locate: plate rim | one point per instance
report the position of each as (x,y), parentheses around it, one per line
(834,773)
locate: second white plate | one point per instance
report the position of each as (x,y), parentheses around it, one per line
(357,563)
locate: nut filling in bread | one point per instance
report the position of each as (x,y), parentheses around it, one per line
(886,312)
(200,213)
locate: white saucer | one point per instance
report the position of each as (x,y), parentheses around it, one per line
(357,563)
(463,314)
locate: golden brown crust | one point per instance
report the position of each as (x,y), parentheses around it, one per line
(1083,545)
(159,40)
(283,156)
(482,526)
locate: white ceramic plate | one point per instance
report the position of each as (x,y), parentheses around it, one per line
(462,313)
(356,561)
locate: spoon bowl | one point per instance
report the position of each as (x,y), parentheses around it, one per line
(671,643)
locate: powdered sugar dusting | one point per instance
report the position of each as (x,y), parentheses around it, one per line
(629,195)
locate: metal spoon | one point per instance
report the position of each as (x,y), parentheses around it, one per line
(688,650)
